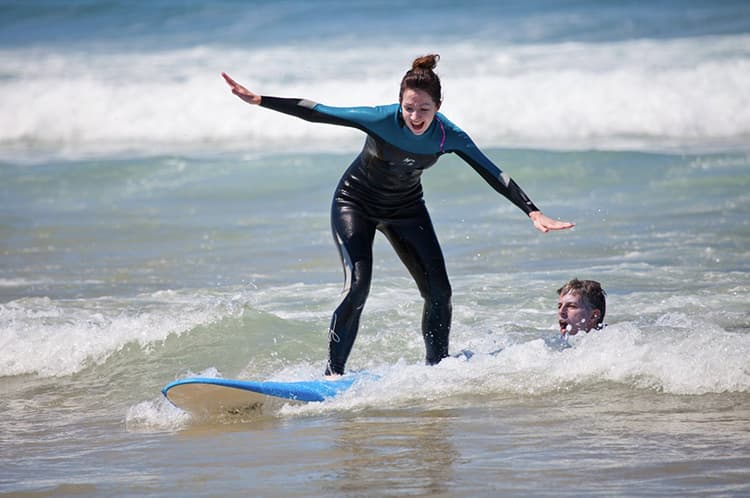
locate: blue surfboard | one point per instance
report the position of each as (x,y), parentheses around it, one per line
(206,395)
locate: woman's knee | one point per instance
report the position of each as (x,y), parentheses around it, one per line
(359,284)
(438,293)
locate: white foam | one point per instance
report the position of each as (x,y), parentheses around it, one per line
(22,282)
(642,93)
(55,338)
(679,356)
(158,415)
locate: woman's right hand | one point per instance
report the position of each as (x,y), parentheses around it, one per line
(241,91)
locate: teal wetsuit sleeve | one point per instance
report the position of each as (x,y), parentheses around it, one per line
(302,108)
(367,119)
(498,180)
(460,143)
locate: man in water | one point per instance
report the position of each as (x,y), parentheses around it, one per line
(580,306)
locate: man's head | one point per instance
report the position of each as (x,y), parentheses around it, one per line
(581,305)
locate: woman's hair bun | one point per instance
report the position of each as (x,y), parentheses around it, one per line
(428,62)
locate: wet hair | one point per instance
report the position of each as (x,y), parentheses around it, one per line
(422,76)
(592,293)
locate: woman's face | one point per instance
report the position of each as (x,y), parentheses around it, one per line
(418,110)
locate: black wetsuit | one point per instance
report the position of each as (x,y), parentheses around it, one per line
(381,190)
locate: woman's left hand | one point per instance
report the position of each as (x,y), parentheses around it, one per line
(544,223)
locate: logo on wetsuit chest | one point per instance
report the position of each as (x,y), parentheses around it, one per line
(408,161)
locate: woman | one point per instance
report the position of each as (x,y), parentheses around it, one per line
(381,190)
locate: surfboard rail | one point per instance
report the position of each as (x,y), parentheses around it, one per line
(216,394)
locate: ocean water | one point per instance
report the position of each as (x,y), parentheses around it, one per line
(152,226)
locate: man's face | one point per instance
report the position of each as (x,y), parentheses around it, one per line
(574,315)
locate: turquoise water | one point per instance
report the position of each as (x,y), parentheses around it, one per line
(153,227)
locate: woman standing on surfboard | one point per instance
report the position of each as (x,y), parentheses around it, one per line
(381,190)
